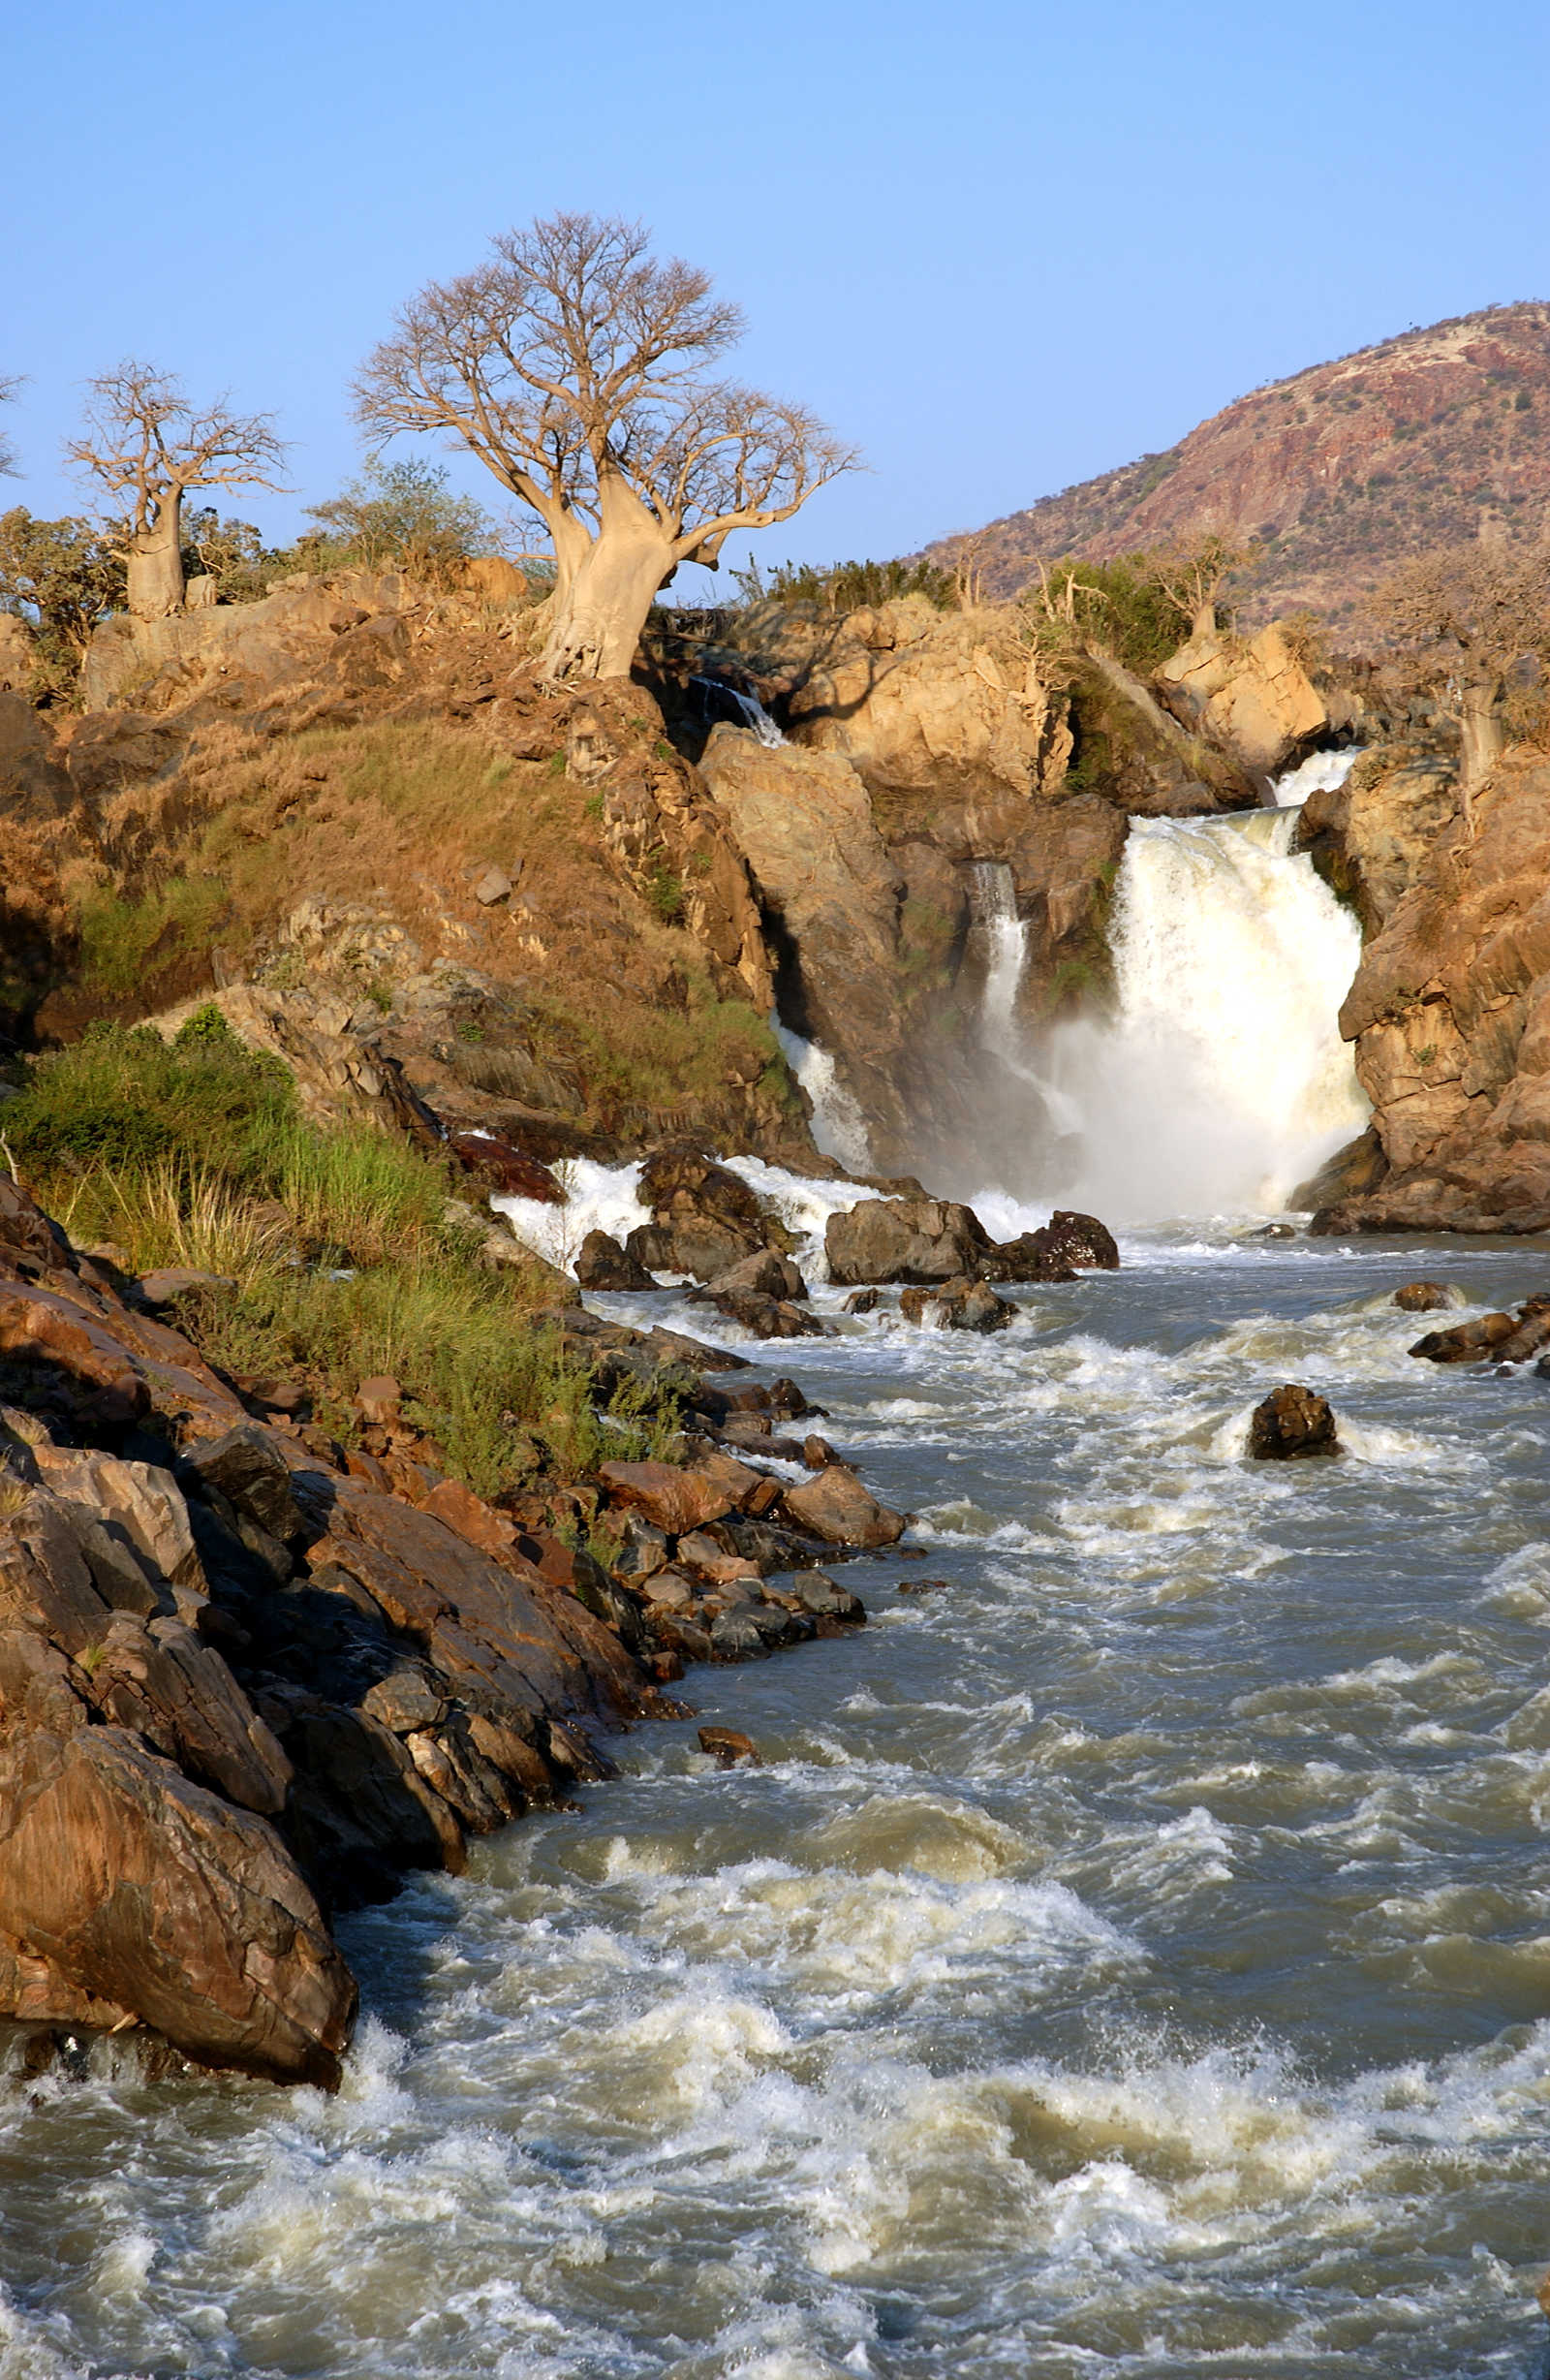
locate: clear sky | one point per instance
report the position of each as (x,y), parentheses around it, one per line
(999,248)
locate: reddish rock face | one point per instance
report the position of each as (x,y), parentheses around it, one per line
(1342,471)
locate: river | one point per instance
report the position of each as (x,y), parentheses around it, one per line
(1133,1954)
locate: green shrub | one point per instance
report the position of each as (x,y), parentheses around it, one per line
(122,1098)
(844,586)
(121,935)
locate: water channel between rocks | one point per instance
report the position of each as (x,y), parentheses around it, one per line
(1133,1954)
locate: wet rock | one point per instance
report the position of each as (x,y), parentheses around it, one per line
(1532,1332)
(602,1264)
(763,1317)
(503,1168)
(1426,1296)
(128,1892)
(904,1240)
(1350,1172)
(1468,1342)
(1291,1421)
(729,1747)
(862,1301)
(825,1599)
(1068,1243)
(957,1305)
(818,1453)
(835,1507)
(769,1272)
(705,1218)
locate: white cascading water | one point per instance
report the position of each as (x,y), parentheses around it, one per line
(1222,1081)
(994,898)
(838,1125)
(755,719)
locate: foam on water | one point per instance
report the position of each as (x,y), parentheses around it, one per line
(1132,1955)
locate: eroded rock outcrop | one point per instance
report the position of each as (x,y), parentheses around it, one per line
(247,1678)
(1451,1015)
(1251,696)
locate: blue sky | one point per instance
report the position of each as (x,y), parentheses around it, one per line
(999,248)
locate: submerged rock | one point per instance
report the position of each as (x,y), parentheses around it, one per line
(1426,1296)
(1291,1421)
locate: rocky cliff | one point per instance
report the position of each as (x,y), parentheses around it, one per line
(1338,473)
(1450,1008)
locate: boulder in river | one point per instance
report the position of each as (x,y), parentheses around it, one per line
(833,1505)
(1426,1296)
(1291,1421)
(1468,1342)
(1068,1243)
(904,1240)
(957,1305)
(602,1263)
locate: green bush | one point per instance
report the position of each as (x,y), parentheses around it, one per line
(121,935)
(844,586)
(337,1242)
(123,1099)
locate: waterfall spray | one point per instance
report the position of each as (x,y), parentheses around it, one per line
(1222,1081)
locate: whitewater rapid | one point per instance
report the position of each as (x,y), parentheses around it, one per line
(1133,1953)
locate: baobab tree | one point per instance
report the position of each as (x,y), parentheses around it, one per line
(580,370)
(146,443)
(1466,613)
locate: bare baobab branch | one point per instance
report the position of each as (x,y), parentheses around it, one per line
(146,445)
(580,370)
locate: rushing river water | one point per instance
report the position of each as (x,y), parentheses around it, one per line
(1132,1956)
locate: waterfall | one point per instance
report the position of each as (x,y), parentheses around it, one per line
(839,1127)
(1222,1081)
(993,898)
(719,700)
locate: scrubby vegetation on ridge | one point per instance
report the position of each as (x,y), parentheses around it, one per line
(336,1250)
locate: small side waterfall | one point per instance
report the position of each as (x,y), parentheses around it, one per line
(720,701)
(993,897)
(1222,1081)
(839,1127)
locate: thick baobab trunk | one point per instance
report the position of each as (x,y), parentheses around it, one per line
(603,594)
(156,562)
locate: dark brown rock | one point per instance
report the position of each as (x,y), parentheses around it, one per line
(729,1747)
(904,1240)
(1067,1243)
(1291,1421)
(1424,1297)
(1468,1342)
(602,1264)
(957,1305)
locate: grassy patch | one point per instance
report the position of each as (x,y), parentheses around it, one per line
(337,1252)
(123,938)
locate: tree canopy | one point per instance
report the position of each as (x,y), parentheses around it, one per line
(582,373)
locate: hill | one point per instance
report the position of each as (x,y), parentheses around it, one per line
(1336,474)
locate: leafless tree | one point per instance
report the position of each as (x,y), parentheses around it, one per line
(1466,613)
(1192,576)
(580,370)
(145,443)
(8,452)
